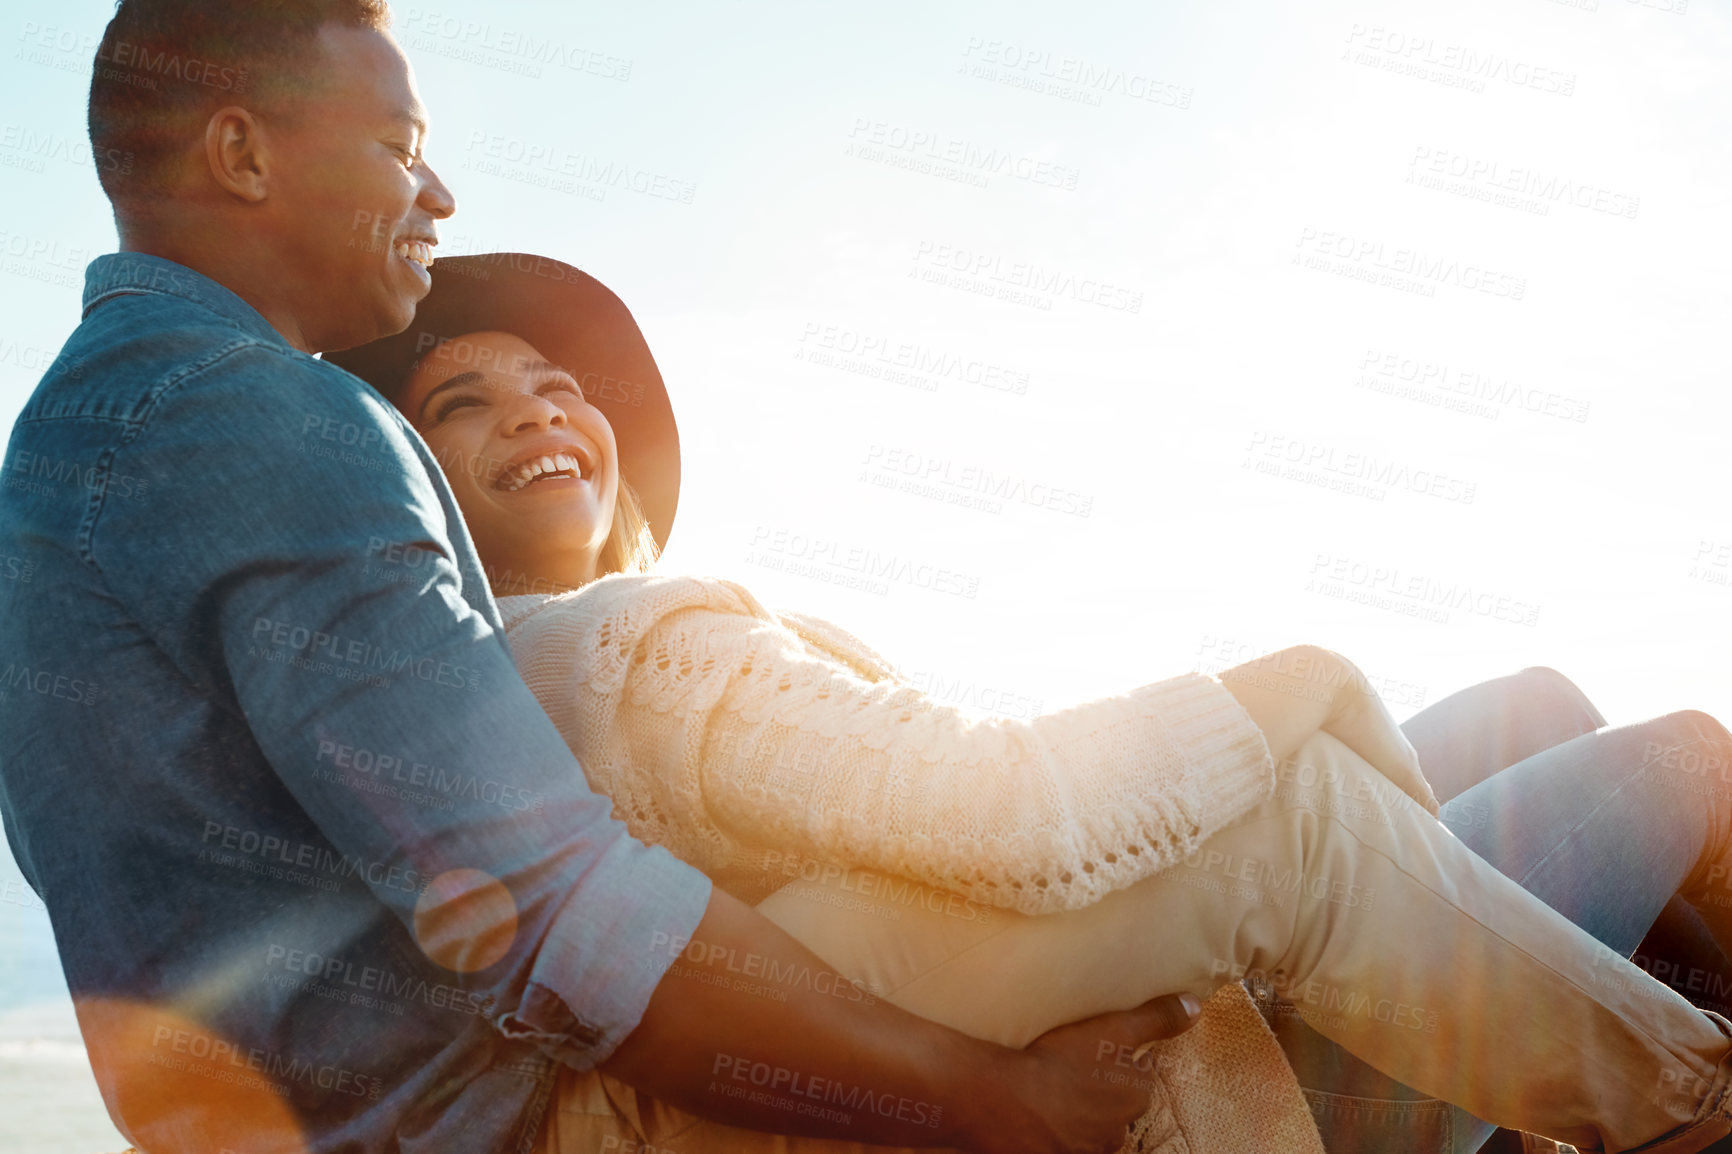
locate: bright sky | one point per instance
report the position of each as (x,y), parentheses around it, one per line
(1394,327)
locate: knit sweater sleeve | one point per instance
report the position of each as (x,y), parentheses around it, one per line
(763,737)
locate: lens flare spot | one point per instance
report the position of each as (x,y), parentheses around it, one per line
(466,920)
(165,1076)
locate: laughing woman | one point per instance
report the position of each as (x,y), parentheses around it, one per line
(1003,876)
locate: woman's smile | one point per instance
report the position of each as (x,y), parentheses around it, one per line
(573,465)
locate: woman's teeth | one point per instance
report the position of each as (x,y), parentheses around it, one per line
(557,463)
(418,251)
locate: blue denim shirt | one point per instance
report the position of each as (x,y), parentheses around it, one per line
(317,863)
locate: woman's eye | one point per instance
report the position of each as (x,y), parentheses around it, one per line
(452,405)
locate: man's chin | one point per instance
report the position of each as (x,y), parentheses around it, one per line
(409,290)
(402,313)
(386,321)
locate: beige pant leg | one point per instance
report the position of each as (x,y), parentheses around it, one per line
(1392,937)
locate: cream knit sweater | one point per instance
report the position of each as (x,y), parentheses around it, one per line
(737,737)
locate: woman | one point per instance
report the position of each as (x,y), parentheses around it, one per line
(1003,877)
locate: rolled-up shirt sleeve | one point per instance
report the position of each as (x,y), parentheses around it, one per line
(291,555)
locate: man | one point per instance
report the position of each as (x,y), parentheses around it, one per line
(321,873)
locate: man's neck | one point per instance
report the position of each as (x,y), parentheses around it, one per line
(251,273)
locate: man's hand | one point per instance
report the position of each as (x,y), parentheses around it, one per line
(1294,693)
(1061,1106)
(699,1039)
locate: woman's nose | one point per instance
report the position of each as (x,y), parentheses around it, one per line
(532,412)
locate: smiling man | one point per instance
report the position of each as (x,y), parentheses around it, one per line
(322,875)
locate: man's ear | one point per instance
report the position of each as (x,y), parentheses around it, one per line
(235,151)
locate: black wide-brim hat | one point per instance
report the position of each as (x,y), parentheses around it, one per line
(573,320)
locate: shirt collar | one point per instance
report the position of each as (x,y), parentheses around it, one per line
(129,273)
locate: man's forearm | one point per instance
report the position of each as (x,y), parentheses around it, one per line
(789,1054)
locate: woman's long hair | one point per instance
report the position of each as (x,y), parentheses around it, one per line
(630,547)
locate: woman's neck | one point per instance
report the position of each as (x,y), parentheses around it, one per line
(545,576)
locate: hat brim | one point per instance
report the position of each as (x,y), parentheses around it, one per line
(574,321)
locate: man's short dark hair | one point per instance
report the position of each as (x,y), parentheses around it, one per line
(165,65)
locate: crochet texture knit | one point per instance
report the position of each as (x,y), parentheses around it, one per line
(735,737)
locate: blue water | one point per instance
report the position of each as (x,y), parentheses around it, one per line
(48,1098)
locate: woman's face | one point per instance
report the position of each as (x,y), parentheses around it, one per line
(533,466)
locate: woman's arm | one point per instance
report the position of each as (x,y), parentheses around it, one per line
(757,741)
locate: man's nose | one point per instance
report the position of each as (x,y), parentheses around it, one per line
(435,199)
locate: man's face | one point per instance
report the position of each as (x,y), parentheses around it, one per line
(351,203)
